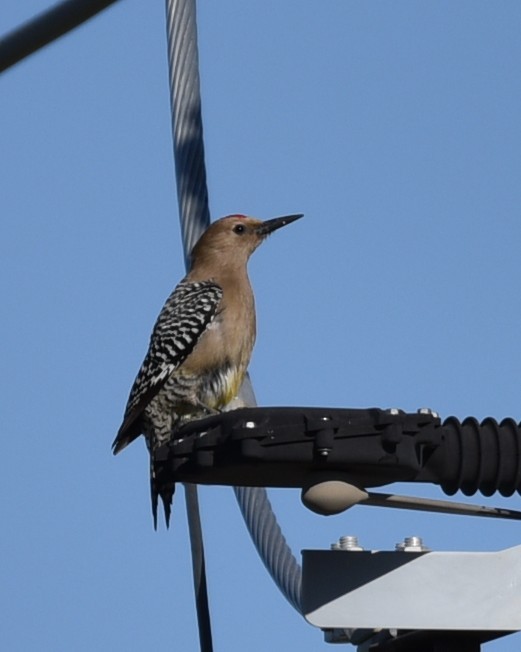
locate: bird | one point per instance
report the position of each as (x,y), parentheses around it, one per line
(201,343)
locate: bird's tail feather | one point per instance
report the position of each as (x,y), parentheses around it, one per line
(160,489)
(153,496)
(167,494)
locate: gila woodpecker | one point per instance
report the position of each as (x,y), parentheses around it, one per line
(201,344)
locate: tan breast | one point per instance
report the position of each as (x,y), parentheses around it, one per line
(230,337)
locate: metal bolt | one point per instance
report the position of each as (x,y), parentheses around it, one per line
(250,424)
(348,542)
(411,544)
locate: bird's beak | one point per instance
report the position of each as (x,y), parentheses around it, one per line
(269,226)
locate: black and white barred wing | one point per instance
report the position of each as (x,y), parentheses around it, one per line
(184,318)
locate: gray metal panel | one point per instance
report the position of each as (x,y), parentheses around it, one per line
(406,590)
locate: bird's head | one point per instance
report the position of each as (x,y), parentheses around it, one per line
(232,239)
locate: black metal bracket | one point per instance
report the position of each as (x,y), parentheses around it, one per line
(286,447)
(430,641)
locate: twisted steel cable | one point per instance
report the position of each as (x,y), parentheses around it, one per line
(187,127)
(270,542)
(194,215)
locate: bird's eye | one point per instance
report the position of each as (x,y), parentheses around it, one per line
(239,228)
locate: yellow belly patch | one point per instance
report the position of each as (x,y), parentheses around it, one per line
(228,385)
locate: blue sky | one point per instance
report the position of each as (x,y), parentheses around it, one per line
(394,126)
